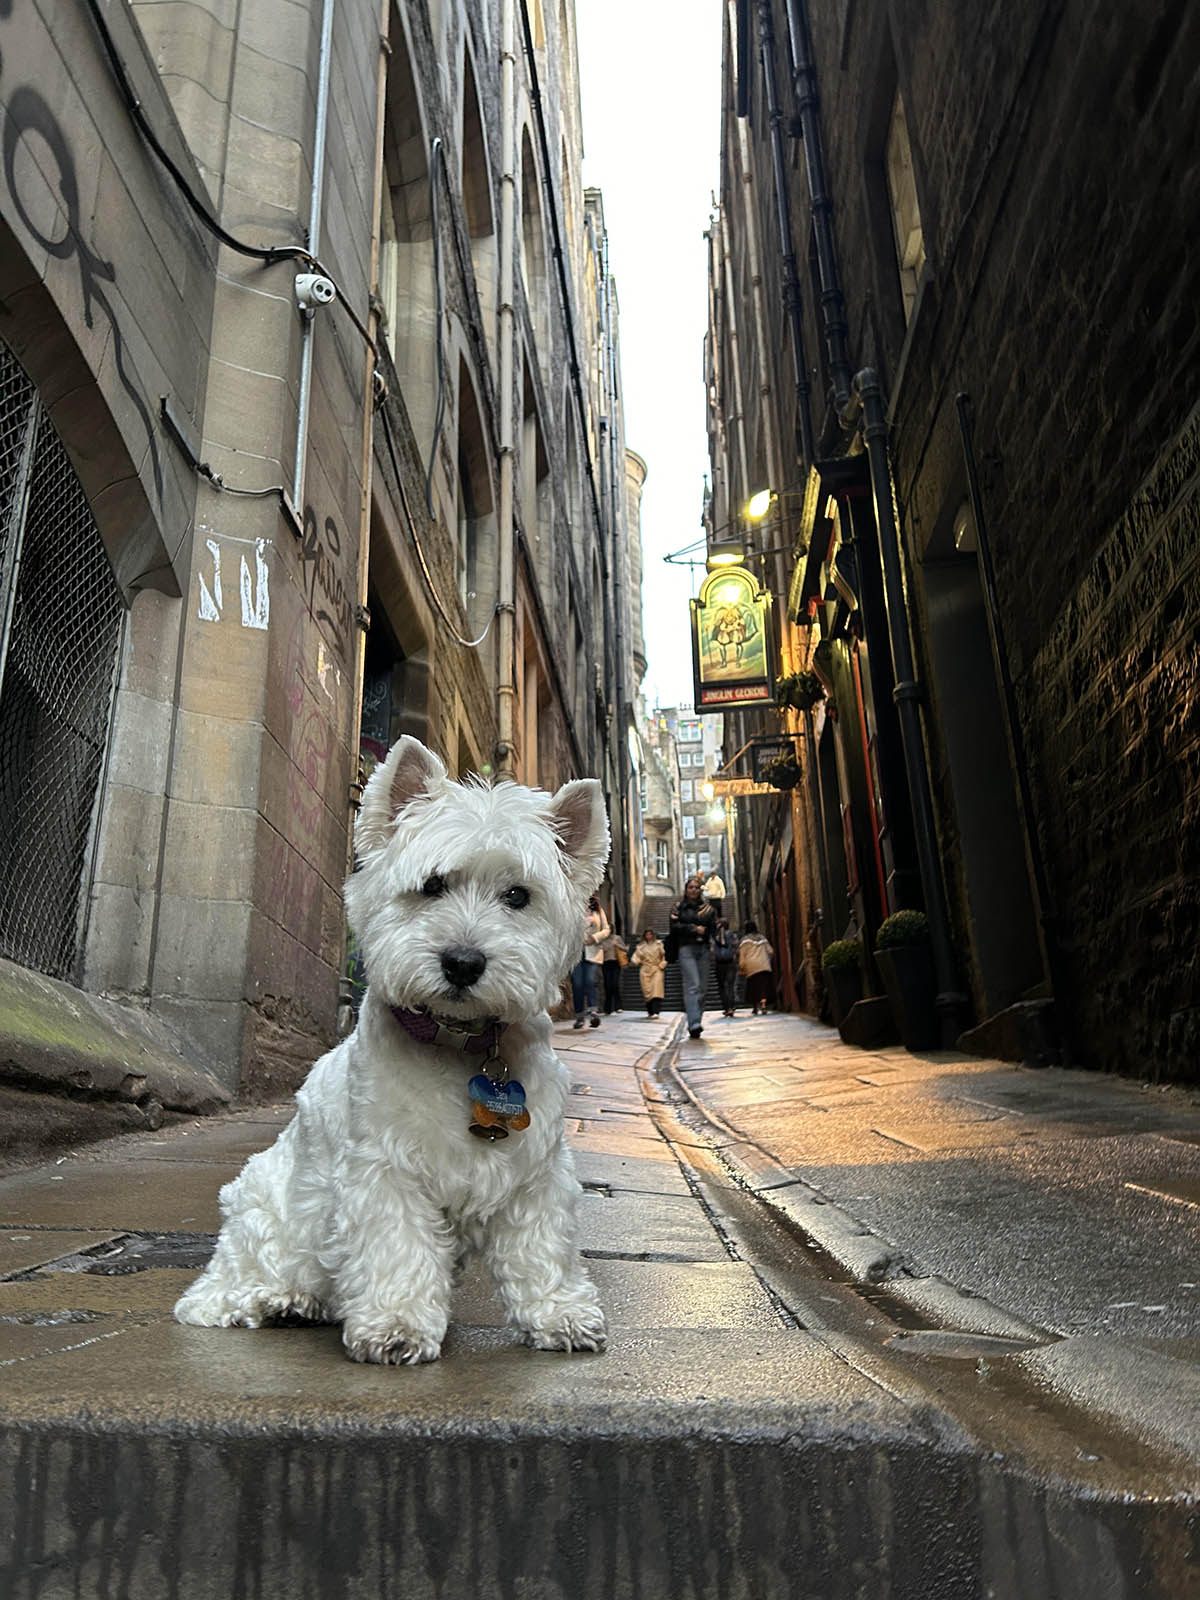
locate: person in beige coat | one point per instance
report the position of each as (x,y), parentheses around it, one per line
(650,958)
(754,963)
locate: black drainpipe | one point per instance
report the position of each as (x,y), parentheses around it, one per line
(1037,861)
(951,1002)
(833,302)
(791,283)
(818,812)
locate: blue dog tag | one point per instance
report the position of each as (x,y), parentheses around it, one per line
(502,1099)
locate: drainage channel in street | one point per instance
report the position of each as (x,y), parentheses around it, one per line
(974,1377)
(803,1279)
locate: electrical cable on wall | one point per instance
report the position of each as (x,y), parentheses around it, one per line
(268,254)
(203,470)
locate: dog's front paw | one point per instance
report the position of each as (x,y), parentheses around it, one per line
(397,1347)
(580,1328)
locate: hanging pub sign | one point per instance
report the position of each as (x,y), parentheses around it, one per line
(764,751)
(731,660)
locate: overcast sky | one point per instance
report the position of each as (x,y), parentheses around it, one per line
(650,89)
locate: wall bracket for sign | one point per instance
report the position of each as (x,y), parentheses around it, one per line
(731,646)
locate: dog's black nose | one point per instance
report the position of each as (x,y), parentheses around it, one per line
(462,965)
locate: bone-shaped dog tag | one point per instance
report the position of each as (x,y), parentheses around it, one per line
(498,1109)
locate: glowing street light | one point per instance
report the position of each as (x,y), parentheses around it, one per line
(759,504)
(725,553)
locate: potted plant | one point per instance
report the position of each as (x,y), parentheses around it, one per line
(785,772)
(799,690)
(905,964)
(841,967)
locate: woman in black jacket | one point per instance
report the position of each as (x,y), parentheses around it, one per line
(692,922)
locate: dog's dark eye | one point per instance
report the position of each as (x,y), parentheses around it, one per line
(432,887)
(516,898)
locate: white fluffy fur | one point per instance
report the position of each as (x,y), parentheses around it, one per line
(360,1210)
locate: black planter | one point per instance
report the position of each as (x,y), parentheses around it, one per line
(844,987)
(908,977)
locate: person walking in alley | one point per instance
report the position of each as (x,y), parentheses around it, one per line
(725,950)
(692,922)
(650,958)
(587,968)
(615,957)
(754,963)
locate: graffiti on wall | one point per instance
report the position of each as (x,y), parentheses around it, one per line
(31,130)
(327,597)
(253,590)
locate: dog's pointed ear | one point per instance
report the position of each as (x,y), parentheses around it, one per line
(578,818)
(409,770)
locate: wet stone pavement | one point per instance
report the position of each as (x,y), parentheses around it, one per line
(879,1324)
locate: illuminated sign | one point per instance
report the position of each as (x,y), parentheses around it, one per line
(730,788)
(731,660)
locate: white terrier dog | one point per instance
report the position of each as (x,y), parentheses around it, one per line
(437,1127)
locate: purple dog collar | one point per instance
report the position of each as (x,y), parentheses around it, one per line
(426,1029)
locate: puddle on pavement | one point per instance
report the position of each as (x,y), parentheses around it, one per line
(131,1252)
(948,1343)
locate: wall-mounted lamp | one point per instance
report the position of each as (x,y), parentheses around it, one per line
(725,553)
(759,503)
(708,788)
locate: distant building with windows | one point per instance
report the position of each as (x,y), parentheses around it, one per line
(662,872)
(684,832)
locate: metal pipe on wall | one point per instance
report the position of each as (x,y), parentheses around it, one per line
(506,604)
(951,1002)
(619,592)
(315,201)
(833,301)
(362,616)
(791,282)
(1033,844)
(735,360)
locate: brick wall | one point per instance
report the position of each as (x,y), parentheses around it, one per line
(1059,182)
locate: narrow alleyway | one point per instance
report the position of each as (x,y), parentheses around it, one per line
(795,1389)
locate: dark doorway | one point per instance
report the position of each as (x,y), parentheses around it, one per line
(1003,919)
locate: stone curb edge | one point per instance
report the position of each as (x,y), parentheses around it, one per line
(869,1260)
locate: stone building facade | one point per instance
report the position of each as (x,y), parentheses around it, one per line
(975,352)
(308,340)
(662,879)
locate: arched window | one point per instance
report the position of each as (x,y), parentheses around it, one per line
(535,493)
(567,212)
(475,546)
(477,200)
(572,497)
(533,248)
(406,265)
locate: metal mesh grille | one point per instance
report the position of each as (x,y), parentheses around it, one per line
(60,623)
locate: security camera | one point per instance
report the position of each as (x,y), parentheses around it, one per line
(313,290)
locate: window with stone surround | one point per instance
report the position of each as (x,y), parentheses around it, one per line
(906,211)
(476,548)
